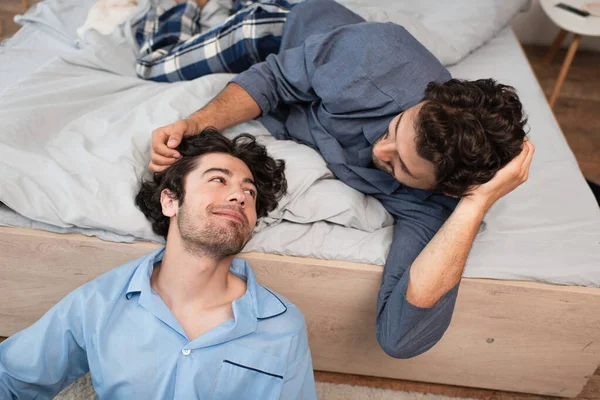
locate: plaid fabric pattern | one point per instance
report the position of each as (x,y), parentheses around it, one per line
(172,48)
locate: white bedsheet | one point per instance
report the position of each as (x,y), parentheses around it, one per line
(85,112)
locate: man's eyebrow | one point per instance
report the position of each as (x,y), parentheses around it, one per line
(250,181)
(402,164)
(221,170)
(227,172)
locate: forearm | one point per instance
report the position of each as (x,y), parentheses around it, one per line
(231,107)
(440,265)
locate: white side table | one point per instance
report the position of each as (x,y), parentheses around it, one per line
(568,22)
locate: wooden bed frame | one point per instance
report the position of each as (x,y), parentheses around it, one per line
(505,335)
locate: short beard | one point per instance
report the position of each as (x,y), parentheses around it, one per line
(207,239)
(380,165)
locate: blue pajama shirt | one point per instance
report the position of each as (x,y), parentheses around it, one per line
(120,330)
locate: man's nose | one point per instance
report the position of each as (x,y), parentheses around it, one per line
(238,196)
(384,151)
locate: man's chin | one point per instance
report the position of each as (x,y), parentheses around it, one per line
(232,229)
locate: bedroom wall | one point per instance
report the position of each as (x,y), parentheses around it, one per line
(534,27)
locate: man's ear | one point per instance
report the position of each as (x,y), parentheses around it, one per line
(169,204)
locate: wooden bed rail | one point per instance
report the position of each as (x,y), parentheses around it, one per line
(505,335)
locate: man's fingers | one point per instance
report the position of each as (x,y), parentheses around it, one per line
(160,147)
(519,161)
(157,159)
(175,133)
(525,150)
(164,151)
(165,141)
(174,140)
(155,168)
(527,162)
(527,153)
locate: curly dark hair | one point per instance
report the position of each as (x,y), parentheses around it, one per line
(469,130)
(268,174)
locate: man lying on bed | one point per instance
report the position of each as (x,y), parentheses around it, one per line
(189,320)
(383,113)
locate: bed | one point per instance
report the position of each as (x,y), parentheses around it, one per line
(526,319)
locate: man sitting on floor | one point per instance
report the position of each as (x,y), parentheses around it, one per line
(384,114)
(186,321)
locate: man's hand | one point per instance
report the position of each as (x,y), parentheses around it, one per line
(440,265)
(231,107)
(511,176)
(165,140)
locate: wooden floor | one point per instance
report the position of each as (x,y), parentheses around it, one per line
(578,106)
(578,113)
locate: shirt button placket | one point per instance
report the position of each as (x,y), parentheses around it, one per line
(182,381)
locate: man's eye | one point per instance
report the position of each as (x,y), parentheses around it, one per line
(218,179)
(251,192)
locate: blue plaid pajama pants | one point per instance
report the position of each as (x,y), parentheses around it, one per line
(172,48)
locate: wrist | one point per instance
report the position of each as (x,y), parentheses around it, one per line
(194,124)
(475,205)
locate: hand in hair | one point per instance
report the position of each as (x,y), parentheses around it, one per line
(164,142)
(507,179)
(231,107)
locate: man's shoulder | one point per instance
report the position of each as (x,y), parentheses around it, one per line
(387,33)
(113,282)
(364,32)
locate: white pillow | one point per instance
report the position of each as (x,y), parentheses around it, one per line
(448,29)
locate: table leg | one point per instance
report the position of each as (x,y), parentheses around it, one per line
(560,38)
(564,69)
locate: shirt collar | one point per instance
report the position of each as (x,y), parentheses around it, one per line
(377,129)
(141,277)
(263,303)
(419,193)
(383,182)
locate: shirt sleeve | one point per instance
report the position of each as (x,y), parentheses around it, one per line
(359,68)
(299,381)
(41,360)
(326,67)
(403,329)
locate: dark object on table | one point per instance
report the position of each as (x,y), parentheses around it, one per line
(572,9)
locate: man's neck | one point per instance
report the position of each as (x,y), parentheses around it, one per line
(184,279)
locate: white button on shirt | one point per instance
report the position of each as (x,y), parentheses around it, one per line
(186,352)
